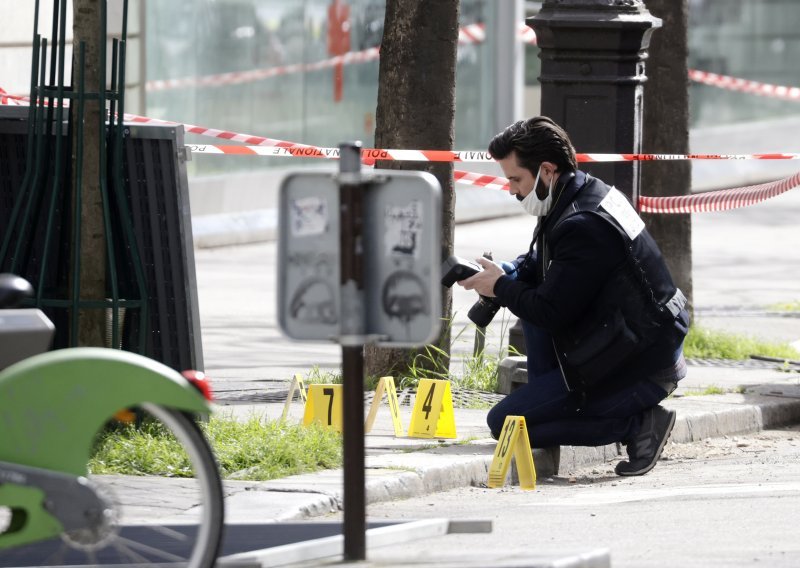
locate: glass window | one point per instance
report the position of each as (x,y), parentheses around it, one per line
(268,68)
(756,40)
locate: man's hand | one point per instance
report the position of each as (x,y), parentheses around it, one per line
(483,282)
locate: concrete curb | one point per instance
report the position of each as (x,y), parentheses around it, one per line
(723,415)
(413,474)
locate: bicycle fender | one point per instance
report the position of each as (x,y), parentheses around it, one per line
(38,524)
(52,405)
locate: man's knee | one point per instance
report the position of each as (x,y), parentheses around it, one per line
(495,420)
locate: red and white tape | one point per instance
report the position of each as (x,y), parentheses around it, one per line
(250,139)
(238,77)
(473,33)
(745,86)
(720,200)
(710,201)
(287,149)
(254,145)
(480,180)
(6,99)
(667,157)
(469,34)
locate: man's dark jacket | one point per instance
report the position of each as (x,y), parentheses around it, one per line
(607,299)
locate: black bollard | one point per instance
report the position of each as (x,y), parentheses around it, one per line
(593,56)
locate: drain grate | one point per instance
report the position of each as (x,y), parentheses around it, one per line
(462,398)
(754,363)
(466,398)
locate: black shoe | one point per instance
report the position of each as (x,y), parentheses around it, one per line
(645,448)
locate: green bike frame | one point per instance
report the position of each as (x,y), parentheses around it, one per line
(53,405)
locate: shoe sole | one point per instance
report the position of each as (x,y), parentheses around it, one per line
(660,449)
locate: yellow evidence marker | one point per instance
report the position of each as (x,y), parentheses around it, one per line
(297,383)
(385,384)
(324,406)
(514,442)
(432,415)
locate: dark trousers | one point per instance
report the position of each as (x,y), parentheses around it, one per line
(553,414)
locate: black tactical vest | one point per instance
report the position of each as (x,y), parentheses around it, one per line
(634,306)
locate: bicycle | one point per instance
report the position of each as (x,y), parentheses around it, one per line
(53,404)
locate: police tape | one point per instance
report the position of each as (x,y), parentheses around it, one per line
(6,99)
(719,200)
(745,85)
(250,75)
(305,151)
(263,146)
(367,154)
(468,34)
(254,145)
(189,128)
(251,139)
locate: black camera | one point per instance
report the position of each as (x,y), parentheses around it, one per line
(455,269)
(483,311)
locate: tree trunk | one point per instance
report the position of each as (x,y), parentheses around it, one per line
(86,28)
(666,131)
(416,110)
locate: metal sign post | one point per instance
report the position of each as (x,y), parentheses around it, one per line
(359,262)
(351,214)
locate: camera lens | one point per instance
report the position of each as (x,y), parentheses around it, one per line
(483,311)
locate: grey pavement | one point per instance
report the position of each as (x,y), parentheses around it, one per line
(745,263)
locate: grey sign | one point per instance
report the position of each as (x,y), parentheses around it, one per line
(401,244)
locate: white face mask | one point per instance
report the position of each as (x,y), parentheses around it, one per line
(535,206)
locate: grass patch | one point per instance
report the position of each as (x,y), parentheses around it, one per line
(317,376)
(703,343)
(257,449)
(479,371)
(786,307)
(711,389)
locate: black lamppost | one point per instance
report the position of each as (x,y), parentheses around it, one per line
(593,56)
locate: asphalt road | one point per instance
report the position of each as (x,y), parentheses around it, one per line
(724,502)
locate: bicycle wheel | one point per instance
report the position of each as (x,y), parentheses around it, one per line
(150,520)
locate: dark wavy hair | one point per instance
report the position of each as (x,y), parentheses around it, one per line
(535,140)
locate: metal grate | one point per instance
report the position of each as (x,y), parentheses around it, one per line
(156,188)
(155,184)
(789,366)
(462,398)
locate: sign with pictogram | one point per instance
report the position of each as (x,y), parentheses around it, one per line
(402,230)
